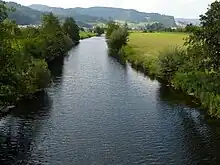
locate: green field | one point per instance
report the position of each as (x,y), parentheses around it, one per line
(84,34)
(144,49)
(154,43)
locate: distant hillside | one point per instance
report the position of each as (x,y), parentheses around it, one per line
(24,15)
(86,16)
(106,13)
(185,21)
(68,13)
(129,15)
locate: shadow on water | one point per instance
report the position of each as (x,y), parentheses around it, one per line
(201,143)
(56,68)
(19,129)
(172,97)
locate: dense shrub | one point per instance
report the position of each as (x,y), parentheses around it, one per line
(111,27)
(170,61)
(117,40)
(72,30)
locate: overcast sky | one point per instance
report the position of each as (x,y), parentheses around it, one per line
(177,8)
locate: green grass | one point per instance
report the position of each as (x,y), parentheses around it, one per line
(154,43)
(144,49)
(84,34)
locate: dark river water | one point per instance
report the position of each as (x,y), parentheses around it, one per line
(99,112)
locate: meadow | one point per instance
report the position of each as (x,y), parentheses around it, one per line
(144,49)
(85,34)
(154,43)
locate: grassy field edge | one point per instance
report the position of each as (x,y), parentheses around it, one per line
(189,83)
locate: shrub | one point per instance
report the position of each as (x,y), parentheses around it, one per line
(170,61)
(117,40)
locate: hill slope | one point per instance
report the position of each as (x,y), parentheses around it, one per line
(68,13)
(186,21)
(107,13)
(24,15)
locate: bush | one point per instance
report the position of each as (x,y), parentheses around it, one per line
(170,61)
(117,40)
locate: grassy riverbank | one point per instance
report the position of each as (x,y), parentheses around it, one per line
(84,35)
(163,56)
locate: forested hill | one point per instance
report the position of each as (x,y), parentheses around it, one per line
(106,13)
(84,16)
(24,15)
(129,15)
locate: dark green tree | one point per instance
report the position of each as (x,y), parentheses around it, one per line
(111,26)
(206,38)
(71,29)
(99,31)
(117,40)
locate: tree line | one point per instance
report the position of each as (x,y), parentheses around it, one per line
(25,53)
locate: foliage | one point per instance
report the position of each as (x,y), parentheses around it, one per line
(86,34)
(190,28)
(154,27)
(111,26)
(71,29)
(117,40)
(209,34)
(24,53)
(170,61)
(99,31)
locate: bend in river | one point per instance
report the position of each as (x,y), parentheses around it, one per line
(101,112)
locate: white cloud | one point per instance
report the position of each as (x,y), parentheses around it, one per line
(177,8)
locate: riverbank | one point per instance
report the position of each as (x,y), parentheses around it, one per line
(163,56)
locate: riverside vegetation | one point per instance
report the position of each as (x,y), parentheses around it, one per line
(193,68)
(25,52)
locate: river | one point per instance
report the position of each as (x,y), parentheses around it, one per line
(99,112)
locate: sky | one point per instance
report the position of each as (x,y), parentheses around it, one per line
(176,8)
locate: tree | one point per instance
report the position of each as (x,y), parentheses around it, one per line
(99,30)
(117,40)
(207,36)
(190,28)
(52,39)
(20,73)
(155,27)
(71,29)
(111,26)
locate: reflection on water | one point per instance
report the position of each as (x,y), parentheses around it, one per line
(18,131)
(194,127)
(171,96)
